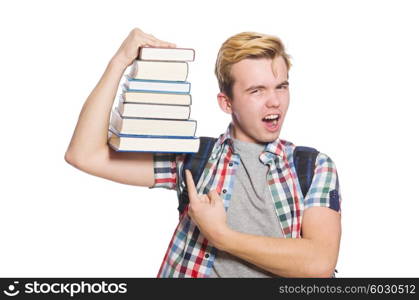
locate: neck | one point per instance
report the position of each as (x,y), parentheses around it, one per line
(240,136)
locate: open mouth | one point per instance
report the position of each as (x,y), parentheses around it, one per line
(271,120)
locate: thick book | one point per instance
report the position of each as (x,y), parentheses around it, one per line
(159,70)
(154,111)
(156,98)
(130,143)
(144,126)
(166,54)
(157,86)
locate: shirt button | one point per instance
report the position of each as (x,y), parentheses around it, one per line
(206,255)
(224,191)
(230,164)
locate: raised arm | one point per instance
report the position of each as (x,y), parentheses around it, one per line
(88,149)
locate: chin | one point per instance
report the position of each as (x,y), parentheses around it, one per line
(268,138)
(257,135)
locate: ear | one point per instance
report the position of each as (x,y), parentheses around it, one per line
(224,102)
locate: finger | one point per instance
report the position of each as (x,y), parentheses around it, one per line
(151,42)
(193,194)
(160,43)
(213,196)
(165,43)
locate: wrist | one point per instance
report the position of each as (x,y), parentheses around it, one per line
(118,63)
(224,237)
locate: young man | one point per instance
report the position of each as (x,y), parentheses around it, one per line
(247,216)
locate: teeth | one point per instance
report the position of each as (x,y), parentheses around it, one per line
(271,117)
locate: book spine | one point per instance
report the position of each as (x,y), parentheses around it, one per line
(154,104)
(117,150)
(148,136)
(168,91)
(129,78)
(162,119)
(125,91)
(145,110)
(143,70)
(140,54)
(159,92)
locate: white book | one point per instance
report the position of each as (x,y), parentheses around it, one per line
(121,142)
(159,70)
(143,126)
(156,111)
(166,54)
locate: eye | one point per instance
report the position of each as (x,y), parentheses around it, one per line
(283,87)
(254,91)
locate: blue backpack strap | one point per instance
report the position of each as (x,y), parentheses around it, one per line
(305,162)
(195,162)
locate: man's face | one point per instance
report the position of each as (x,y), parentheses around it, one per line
(260,99)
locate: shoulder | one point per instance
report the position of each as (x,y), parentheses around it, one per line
(286,144)
(289,148)
(323,160)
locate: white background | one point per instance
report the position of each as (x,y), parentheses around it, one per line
(353,96)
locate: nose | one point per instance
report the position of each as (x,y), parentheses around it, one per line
(273,99)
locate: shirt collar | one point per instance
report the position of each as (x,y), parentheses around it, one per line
(275,147)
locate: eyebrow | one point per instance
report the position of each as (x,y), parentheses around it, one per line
(260,86)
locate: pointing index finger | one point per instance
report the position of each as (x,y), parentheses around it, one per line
(193,194)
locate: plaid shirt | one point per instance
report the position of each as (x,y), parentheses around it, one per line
(189,253)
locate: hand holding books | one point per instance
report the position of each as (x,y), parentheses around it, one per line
(153,112)
(128,51)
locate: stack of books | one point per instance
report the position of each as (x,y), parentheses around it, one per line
(153,112)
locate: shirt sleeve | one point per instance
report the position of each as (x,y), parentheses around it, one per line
(166,170)
(324,190)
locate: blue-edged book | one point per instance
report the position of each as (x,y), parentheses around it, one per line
(149,126)
(156,98)
(152,143)
(157,86)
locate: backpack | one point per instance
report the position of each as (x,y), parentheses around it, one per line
(304,162)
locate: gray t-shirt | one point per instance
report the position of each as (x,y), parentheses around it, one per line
(251,211)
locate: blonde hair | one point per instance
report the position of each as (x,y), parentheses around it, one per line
(245,45)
